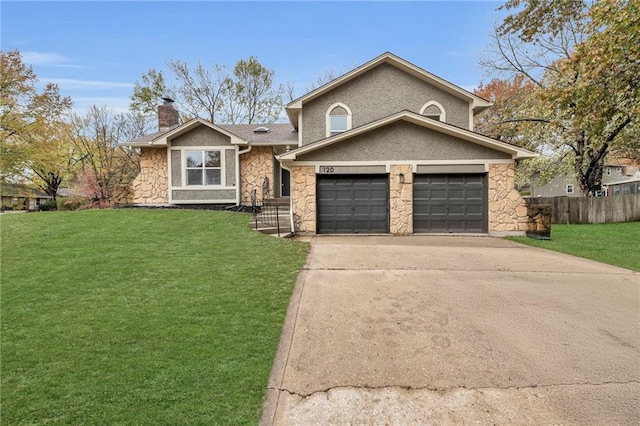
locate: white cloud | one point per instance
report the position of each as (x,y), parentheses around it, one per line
(74,83)
(117,104)
(50,59)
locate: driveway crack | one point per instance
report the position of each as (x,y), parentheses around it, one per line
(417,269)
(451,389)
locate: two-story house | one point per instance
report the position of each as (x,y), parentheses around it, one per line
(386,148)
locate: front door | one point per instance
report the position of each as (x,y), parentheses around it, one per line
(285,183)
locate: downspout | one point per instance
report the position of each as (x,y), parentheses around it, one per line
(286,167)
(238,172)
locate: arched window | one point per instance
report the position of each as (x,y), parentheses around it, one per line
(338,119)
(434,110)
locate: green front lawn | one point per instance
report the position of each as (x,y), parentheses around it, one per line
(613,243)
(140,316)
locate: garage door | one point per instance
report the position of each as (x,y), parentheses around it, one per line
(352,204)
(450,203)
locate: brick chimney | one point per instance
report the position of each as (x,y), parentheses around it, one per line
(167,115)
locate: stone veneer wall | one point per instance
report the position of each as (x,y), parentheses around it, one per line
(401,200)
(151,184)
(507,208)
(254,167)
(303,196)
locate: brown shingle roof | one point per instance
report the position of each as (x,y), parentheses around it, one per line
(150,137)
(278,133)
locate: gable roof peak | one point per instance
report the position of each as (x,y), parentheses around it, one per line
(476,101)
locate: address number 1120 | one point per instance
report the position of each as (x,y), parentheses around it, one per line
(327,169)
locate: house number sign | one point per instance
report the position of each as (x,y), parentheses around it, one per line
(327,169)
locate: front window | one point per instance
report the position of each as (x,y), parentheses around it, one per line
(204,168)
(570,188)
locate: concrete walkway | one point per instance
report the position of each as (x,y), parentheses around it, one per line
(449,330)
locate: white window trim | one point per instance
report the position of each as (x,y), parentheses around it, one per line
(443,113)
(185,169)
(569,188)
(328,117)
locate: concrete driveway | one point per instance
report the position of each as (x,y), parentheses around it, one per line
(444,330)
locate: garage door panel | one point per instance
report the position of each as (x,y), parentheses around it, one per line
(436,179)
(456,194)
(474,194)
(457,210)
(453,179)
(436,194)
(476,178)
(353,204)
(474,210)
(450,203)
(339,210)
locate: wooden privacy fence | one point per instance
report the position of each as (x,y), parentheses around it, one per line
(618,208)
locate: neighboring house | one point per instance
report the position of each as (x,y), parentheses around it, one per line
(627,186)
(385,148)
(614,171)
(21,197)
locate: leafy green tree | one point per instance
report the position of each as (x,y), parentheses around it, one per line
(51,162)
(144,99)
(582,60)
(254,93)
(28,117)
(513,98)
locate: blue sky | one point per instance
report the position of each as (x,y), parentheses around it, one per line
(95,51)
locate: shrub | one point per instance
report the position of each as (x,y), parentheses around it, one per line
(48,206)
(73,203)
(96,205)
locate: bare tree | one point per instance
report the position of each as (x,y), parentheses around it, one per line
(324,78)
(107,167)
(202,92)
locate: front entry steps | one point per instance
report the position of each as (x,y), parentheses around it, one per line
(273,218)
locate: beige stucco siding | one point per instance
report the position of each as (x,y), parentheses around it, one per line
(176,167)
(403,141)
(205,195)
(379,93)
(202,136)
(230,167)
